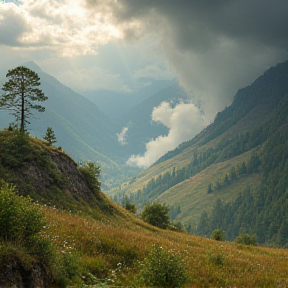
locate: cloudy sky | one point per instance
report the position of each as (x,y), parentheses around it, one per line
(212,47)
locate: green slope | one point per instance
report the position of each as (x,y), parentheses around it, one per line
(181,177)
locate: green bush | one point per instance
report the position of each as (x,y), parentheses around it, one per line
(217,235)
(246,239)
(156,214)
(20,219)
(162,268)
(90,171)
(131,207)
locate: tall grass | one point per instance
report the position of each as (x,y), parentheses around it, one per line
(110,250)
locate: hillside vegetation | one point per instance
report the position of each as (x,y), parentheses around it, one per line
(71,235)
(230,157)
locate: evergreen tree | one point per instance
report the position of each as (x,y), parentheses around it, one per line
(203,226)
(209,188)
(50,136)
(20,92)
(233,175)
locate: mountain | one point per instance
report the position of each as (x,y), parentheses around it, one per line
(86,133)
(228,158)
(80,127)
(115,104)
(138,120)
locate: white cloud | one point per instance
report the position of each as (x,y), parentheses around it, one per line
(13,25)
(184,121)
(67,27)
(122,136)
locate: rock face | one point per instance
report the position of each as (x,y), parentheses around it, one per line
(61,172)
(19,277)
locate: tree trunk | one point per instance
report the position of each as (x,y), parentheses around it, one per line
(22,105)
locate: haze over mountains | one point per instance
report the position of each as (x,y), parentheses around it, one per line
(219,174)
(86,133)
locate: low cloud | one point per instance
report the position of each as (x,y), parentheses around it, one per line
(122,136)
(184,122)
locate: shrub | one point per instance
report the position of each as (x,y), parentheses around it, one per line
(246,239)
(21,243)
(20,219)
(156,214)
(217,235)
(162,268)
(90,171)
(131,207)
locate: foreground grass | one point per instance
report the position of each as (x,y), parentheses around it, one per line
(111,248)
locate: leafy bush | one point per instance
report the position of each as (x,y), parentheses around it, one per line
(217,235)
(162,268)
(90,171)
(131,207)
(246,239)
(20,219)
(156,214)
(15,149)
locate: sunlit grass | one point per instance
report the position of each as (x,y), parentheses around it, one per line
(111,248)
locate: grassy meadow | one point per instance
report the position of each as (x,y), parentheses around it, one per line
(110,250)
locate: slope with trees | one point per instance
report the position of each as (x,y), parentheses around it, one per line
(91,241)
(215,156)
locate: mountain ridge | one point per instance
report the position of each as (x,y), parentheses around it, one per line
(235,132)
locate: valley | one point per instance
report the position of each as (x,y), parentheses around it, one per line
(231,176)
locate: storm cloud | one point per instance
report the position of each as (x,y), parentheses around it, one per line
(215,47)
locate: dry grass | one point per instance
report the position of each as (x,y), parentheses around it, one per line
(102,245)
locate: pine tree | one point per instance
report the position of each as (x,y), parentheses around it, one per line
(50,136)
(20,92)
(209,188)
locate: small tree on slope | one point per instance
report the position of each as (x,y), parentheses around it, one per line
(50,136)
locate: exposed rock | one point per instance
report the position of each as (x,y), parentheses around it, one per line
(14,276)
(64,174)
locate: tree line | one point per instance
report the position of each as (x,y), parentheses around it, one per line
(263,211)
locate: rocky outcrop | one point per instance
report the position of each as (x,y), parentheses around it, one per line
(15,276)
(61,171)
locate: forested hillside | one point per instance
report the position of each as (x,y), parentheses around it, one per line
(261,211)
(243,150)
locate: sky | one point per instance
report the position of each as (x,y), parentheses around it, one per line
(212,47)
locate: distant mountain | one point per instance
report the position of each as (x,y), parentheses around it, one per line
(115,104)
(86,133)
(141,128)
(240,158)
